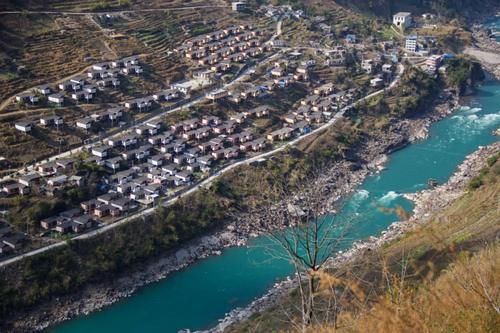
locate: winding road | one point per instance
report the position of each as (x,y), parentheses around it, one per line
(206,182)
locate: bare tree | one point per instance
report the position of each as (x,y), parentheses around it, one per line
(310,237)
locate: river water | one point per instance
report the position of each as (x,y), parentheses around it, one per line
(494,25)
(199,295)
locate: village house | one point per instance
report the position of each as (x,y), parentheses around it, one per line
(123,177)
(14,189)
(310,100)
(411,44)
(166,95)
(47,169)
(79,95)
(82,223)
(227,127)
(267,85)
(114,113)
(57,180)
(231,152)
(376,82)
(108,82)
(69,85)
(65,163)
(89,88)
(325,89)
(128,141)
(179,146)
(251,92)
(281,134)
(179,159)
(132,69)
(238,117)
(24,126)
(302,127)
(163,139)
(102,210)
(44,90)
(101,66)
(402,20)
(183,177)
(387,68)
(132,60)
(220,67)
(123,204)
(205,161)
(85,123)
(100,151)
(170,169)
(290,118)
(113,163)
(96,74)
(146,130)
(183,87)
(211,120)
(27,97)
(56,98)
(29,179)
(202,133)
(156,160)
(51,121)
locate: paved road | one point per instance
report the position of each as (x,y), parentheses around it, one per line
(206,182)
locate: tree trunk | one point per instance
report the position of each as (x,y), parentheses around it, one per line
(311,286)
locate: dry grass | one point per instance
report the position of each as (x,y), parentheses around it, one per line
(465,298)
(441,277)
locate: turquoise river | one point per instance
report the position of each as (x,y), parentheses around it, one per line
(196,297)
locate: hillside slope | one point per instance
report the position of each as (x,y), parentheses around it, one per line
(442,276)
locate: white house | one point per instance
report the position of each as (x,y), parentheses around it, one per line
(217,94)
(184,87)
(56,98)
(376,82)
(100,151)
(51,120)
(44,90)
(24,126)
(85,123)
(402,19)
(411,44)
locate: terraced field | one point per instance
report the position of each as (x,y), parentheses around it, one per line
(47,55)
(101,5)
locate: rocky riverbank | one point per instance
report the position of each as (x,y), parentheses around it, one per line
(427,203)
(342,178)
(376,152)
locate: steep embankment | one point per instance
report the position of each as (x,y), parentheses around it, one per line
(436,272)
